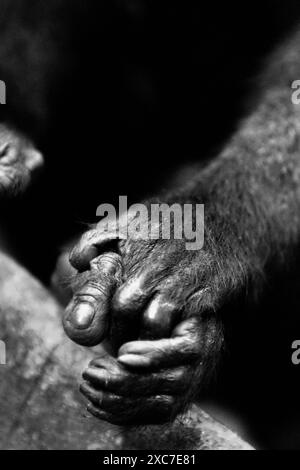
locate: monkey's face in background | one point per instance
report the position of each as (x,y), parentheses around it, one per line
(18,161)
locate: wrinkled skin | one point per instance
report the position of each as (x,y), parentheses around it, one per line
(159,314)
(18,161)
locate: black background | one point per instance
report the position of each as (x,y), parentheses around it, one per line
(131,91)
(137,89)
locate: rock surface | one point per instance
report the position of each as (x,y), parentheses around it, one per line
(40,406)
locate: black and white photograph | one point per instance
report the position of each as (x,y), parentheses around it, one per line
(149,228)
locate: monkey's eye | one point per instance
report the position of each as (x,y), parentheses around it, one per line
(8,154)
(4,149)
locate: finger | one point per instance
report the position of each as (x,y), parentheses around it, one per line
(111,402)
(116,410)
(172,381)
(95,396)
(128,302)
(182,348)
(90,246)
(140,298)
(159,318)
(131,297)
(86,319)
(107,401)
(103,415)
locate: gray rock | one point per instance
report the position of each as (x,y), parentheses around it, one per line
(40,406)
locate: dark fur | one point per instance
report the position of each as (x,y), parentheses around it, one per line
(250,191)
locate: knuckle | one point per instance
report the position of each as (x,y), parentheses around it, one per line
(133,295)
(127,296)
(160,317)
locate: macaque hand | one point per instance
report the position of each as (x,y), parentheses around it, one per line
(162,316)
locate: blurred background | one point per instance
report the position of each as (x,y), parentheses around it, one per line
(123,96)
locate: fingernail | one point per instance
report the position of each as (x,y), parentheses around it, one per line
(82,316)
(134,360)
